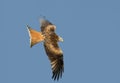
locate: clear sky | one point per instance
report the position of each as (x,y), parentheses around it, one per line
(91,33)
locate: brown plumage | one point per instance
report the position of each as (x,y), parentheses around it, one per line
(53,51)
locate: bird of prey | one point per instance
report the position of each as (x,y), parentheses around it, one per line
(50,40)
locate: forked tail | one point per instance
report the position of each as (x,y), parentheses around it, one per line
(35,36)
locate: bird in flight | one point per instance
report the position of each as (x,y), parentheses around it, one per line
(50,40)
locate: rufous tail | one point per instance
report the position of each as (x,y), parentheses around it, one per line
(35,36)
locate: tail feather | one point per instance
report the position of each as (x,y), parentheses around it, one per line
(35,36)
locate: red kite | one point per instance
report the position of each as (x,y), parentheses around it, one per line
(53,51)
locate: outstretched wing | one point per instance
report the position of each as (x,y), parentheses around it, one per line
(56,58)
(52,49)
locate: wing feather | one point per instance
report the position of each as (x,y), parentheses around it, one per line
(52,49)
(56,58)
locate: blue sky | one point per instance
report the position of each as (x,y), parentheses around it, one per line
(91,33)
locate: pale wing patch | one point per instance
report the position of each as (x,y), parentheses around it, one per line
(61,39)
(57,51)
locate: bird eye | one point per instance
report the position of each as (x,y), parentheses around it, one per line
(52,29)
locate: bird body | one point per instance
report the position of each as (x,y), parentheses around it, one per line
(53,51)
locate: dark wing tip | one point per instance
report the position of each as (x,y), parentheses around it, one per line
(57,68)
(45,22)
